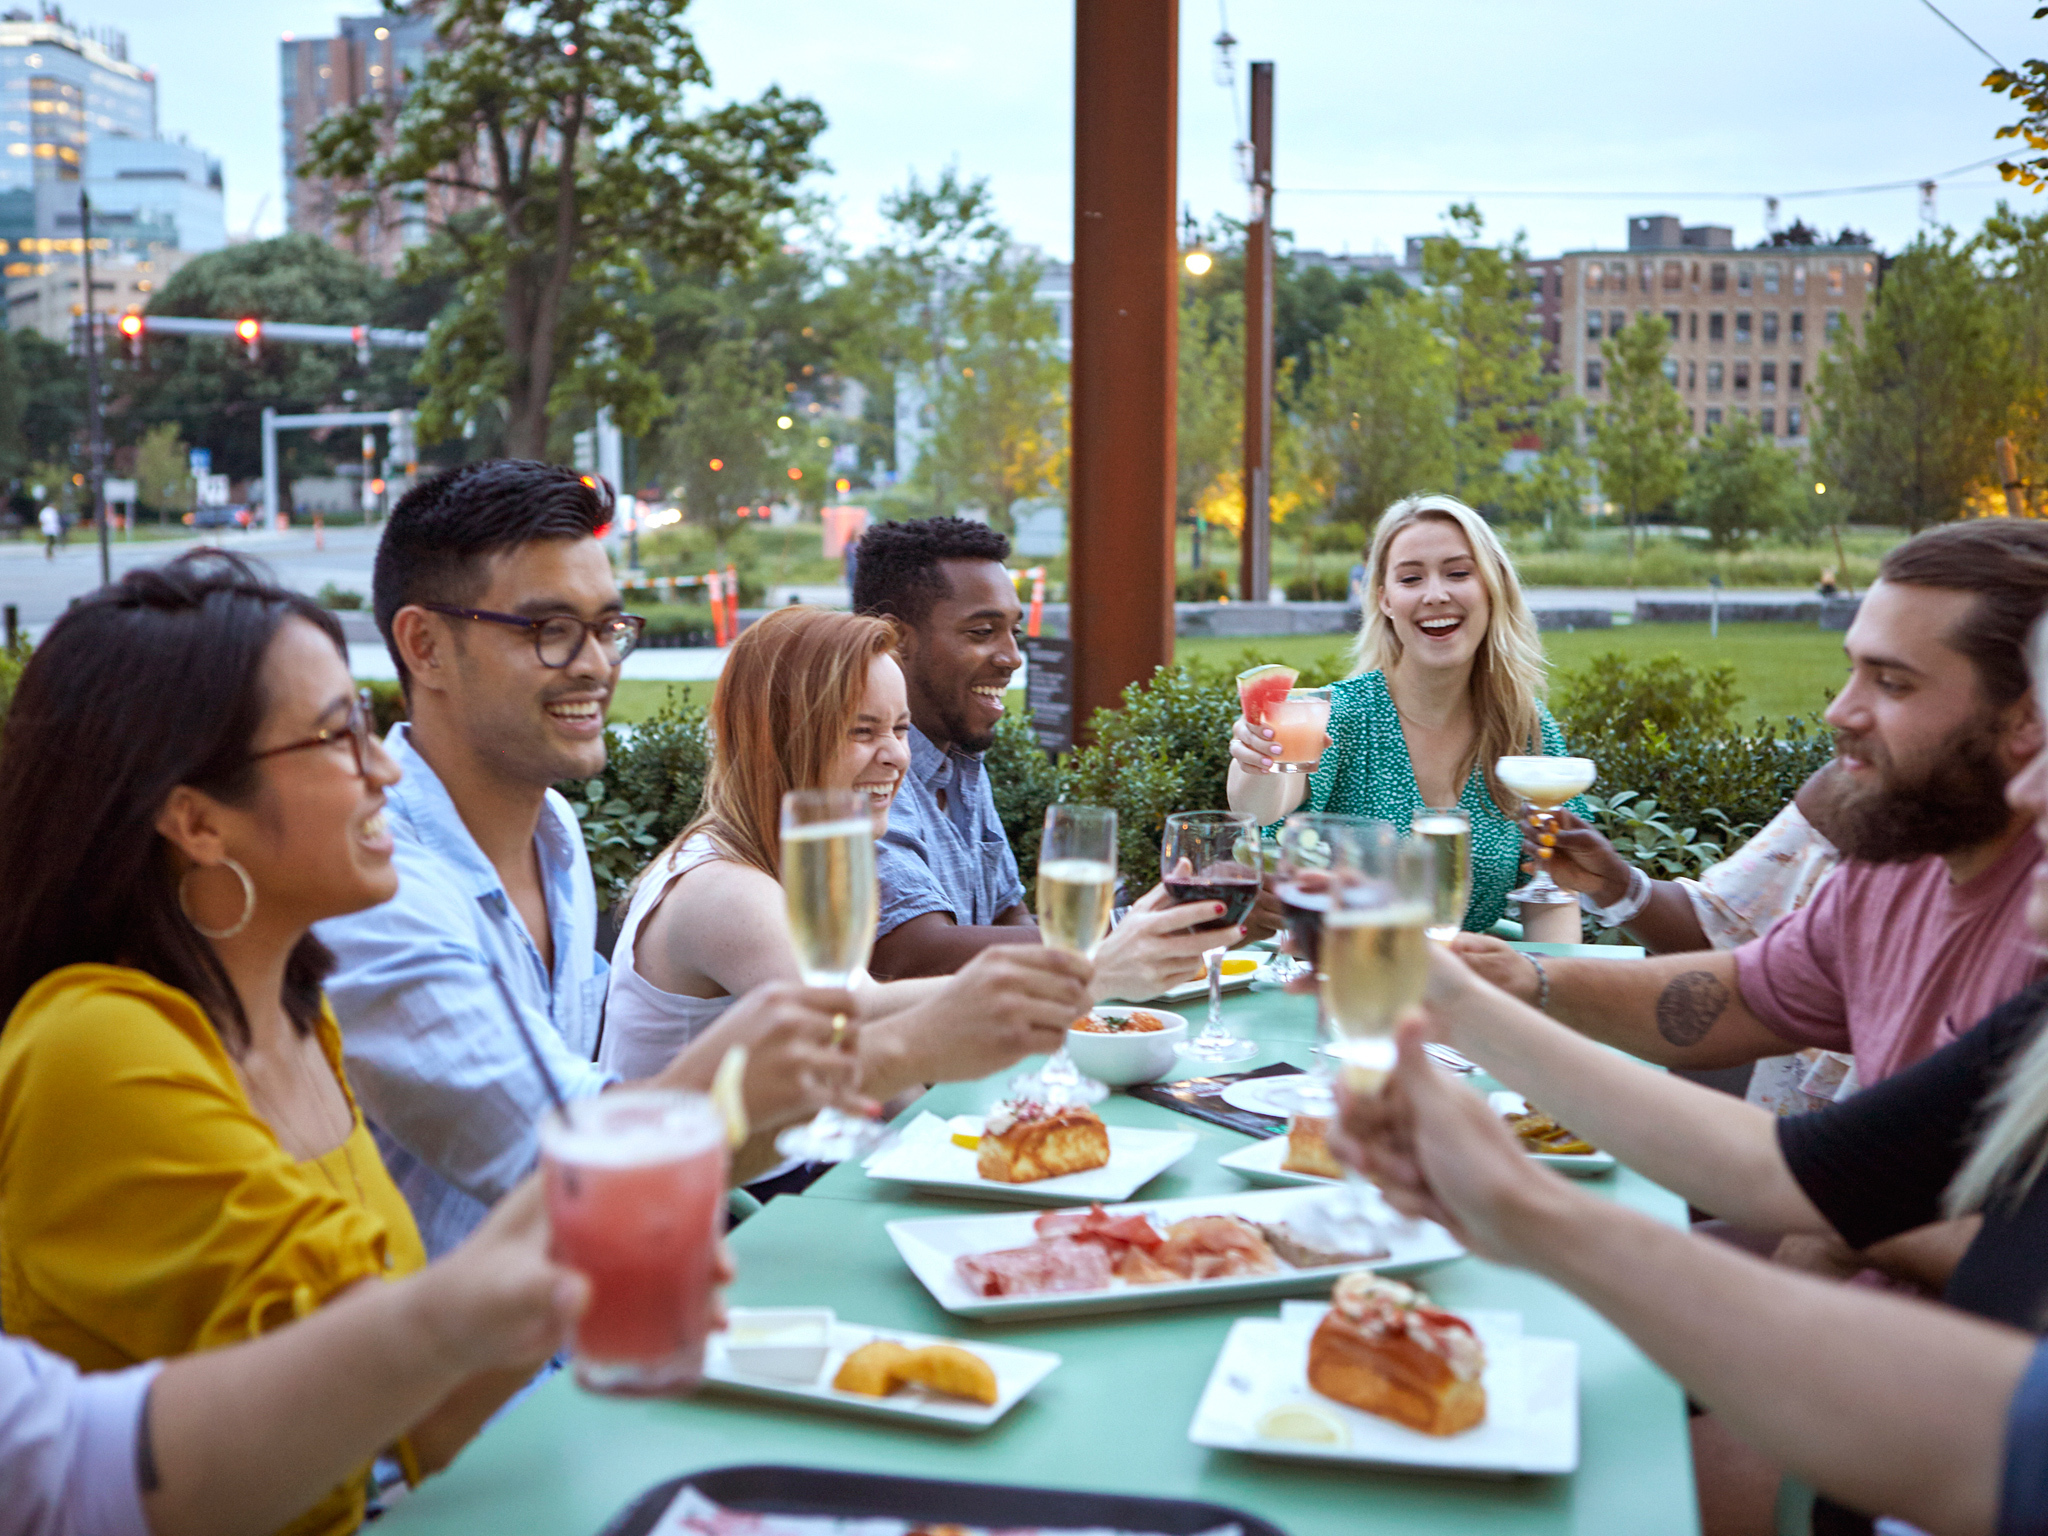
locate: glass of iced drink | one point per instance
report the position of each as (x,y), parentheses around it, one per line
(1300,724)
(636,1189)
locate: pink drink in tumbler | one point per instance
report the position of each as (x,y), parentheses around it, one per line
(636,1188)
(1299,723)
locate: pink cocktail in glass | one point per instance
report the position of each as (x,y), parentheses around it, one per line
(1299,723)
(636,1189)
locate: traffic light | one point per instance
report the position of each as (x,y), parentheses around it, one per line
(360,335)
(250,330)
(131,327)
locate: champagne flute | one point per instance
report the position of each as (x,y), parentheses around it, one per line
(1214,856)
(1076,892)
(1545,783)
(1373,965)
(1449,829)
(828,882)
(1318,849)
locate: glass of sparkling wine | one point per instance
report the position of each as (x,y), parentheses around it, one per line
(1449,829)
(1076,892)
(1214,856)
(1318,850)
(828,884)
(635,1183)
(1545,783)
(1373,968)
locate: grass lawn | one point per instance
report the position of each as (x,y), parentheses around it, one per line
(1780,669)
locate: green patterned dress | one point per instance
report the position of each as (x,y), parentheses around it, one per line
(1366,772)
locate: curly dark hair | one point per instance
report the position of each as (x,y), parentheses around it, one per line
(896,565)
(441,531)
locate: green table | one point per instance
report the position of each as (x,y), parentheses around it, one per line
(1114,1417)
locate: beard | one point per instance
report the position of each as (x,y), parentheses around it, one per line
(1957,801)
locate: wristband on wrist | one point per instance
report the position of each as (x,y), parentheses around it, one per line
(1633,900)
(1542,982)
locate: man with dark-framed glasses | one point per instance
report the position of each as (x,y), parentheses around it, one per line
(497,602)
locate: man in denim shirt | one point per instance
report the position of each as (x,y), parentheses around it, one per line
(498,604)
(950,886)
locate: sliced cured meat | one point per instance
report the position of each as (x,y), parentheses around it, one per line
(1097,1225)
(1136,1266)
(1209,1247)
(1056,1265)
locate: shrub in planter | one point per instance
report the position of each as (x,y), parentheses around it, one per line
(1208,585)
(651,787)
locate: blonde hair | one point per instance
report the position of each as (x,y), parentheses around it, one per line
(1508,667)
(779,717)
(2013,1149)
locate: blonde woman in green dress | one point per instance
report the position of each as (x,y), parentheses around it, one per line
(1448,681)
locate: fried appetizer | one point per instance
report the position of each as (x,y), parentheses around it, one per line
(950,1369)
(1540,1133)
(1308,1147)
(873,1370)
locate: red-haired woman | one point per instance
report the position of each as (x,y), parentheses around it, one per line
(809,699)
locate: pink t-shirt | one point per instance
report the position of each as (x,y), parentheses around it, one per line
(1892,961)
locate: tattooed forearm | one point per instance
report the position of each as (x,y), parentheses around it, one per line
(1689,1006)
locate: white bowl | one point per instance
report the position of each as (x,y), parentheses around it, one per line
(780,1343)
(1124,1060)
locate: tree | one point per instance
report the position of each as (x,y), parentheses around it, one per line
(1378,416)
(2014,248)
(2027,85)
(52,400)
(163,470)
(213,395)
(1641,430)
(999,395)
(560,130)
(1209,430)
(1740,484)
(1908,412)
(1478,302)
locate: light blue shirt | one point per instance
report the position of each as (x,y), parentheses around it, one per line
(419,988)
(945,850)
(68,1445)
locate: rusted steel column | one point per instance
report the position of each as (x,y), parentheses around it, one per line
(1255,544)
(1126,310)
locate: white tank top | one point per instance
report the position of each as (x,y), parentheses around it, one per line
(644,1026)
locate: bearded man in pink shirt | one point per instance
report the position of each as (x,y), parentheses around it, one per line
(1921,931)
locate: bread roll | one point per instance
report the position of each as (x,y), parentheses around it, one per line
(1022,1143)
(1382,1348)
(1308,1150)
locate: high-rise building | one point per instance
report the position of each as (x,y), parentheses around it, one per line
(370,58)
(1747,326)
(77,117)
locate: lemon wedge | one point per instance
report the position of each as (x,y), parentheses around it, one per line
(1304,1423)
(966,1131)
(1241,965)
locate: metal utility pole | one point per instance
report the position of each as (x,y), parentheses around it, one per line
(92,393)
(1126,346)
(1255,549)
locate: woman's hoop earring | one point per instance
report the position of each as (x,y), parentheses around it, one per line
(248,901)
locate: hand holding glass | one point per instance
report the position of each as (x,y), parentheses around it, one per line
(1214,856)
(1545,783)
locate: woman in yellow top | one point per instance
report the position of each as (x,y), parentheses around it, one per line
(188,782)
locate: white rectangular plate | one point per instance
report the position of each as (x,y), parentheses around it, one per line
(1017,1372)
(1532,1402)
(1506,1101)
(927,1157)
(1260,1163)
(930,1245)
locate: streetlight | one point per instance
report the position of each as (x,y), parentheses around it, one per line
(1819,489)
(784,422)
(1198,260)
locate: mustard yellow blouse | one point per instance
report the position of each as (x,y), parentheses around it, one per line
(147,1210)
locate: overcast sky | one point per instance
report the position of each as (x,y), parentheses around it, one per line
(1631,106)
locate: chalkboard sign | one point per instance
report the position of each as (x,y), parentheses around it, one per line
(1049,693)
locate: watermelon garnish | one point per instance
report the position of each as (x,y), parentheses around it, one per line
(1261,688)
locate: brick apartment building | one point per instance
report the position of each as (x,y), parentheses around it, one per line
(1746,325)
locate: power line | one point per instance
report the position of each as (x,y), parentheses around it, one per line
(1959,32)
(1877,186)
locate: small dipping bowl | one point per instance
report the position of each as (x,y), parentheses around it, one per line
(1128,1057)
(780,1343)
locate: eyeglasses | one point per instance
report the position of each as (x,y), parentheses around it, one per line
(559,640)
(355,730)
